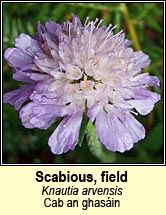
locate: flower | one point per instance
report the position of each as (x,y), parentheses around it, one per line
(71,69)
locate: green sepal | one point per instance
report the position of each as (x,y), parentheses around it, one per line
(84,123)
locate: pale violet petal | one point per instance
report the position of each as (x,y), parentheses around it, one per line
(65,136)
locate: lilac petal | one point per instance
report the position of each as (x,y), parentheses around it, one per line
(73,72)
(22,64)
(21,76)
(127,132)
(45,63)
(152,81)
(141,94)
(112,132)
(123,136)
(27,44)
(27,75)
(146,79)
(42,95)
(118,135)
(45,98)
(40,31)
(43,85)
(93,112)
(38,76)
(127,43)
(26,114)
(117,111)
(76,21)
(51,42)
(17,58)
(39,115)
(105,131)
(142,59)
(51,27)
(28,68)
(65,53)
(19,96)
(65,136)
(136,129)
(146,101)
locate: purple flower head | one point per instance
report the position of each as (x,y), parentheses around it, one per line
(74,68)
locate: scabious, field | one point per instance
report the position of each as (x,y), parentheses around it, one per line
(143,25)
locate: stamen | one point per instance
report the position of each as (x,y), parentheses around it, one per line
(108,33)
(101,20)
(69,30)
(108,28)
(88,24)
(87,19)
(96,20)
(113,36)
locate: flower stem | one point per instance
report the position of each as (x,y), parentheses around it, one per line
(130,26)
(137,46)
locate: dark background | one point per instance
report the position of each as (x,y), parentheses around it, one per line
(143,24)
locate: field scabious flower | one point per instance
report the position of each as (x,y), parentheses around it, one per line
(71,69)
